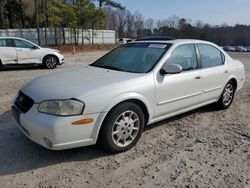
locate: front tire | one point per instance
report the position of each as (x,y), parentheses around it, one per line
(50,62)
(1,64)
(227,96)
(122,128)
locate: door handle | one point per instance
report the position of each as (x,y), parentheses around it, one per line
(197,77)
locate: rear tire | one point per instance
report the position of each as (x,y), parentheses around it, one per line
(1,64)
(122,128)
(50,62)
(227,96)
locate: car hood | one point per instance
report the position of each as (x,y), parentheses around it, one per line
(76,83)
(49,50)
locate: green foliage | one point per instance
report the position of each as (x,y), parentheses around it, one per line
(52,13)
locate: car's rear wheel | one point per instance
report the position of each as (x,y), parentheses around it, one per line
(227,96)
(122,127)
(50,62)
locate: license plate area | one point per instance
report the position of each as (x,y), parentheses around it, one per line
(16,113)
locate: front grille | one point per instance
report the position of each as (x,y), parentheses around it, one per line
(23,102)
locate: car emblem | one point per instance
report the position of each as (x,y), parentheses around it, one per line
(21,99)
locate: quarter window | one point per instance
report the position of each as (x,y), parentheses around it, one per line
(210,56)
(185,56)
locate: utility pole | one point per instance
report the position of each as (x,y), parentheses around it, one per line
(37,23)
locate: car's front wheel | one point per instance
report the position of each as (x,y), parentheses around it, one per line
(50,62)
(227,96)
(122,127)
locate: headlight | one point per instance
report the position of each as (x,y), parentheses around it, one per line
(59,52)
(68,107)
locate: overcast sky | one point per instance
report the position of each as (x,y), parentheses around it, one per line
(209,11)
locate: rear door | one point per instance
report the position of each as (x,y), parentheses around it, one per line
(8,52)
(27,52)
(214,72)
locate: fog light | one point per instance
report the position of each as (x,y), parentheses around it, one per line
(48,142)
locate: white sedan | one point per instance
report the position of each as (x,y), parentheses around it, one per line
(17,51)
(134,85)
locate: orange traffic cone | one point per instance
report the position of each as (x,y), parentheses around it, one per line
(73,50)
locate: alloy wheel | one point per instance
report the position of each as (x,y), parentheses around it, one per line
(228,94)
(125,129)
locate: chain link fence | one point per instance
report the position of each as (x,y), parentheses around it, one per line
(52,36)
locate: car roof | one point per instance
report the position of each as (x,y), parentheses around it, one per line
(175,41)
(11,38)
(179,42)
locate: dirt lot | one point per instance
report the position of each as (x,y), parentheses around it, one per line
(203,148)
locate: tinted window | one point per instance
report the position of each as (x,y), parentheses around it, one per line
(23,44)
(210,56)
(184,56)
(133,57)
(3,42)
(6,42)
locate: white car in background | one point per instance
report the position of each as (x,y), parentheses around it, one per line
(132,86)
(17,51)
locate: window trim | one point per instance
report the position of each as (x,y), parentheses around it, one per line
(196,54)
(221,54)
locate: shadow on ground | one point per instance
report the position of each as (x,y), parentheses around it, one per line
(21,67)
(19,154)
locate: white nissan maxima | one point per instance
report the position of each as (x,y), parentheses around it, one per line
(17,51)
(136,84)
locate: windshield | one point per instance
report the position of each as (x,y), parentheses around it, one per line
(133,57)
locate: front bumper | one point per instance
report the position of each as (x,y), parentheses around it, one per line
(60,58)
(57,133)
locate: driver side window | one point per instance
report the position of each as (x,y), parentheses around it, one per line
(22,44)
(185,56)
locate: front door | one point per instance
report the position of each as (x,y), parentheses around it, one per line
(178,92)
(27,52)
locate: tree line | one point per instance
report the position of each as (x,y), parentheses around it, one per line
(135,26)
(109,14)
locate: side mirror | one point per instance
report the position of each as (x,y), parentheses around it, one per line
(34,48)
(170,69)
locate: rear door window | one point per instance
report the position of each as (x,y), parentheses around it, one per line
(3,42)
(7,43)
(210,56)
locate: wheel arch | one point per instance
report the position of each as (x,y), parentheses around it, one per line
(138,102)
(146,108)
(234,80)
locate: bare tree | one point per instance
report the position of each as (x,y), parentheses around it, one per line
(173,21)
(149,24)
(161,23)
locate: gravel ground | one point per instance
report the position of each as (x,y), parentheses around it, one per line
(202,148)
